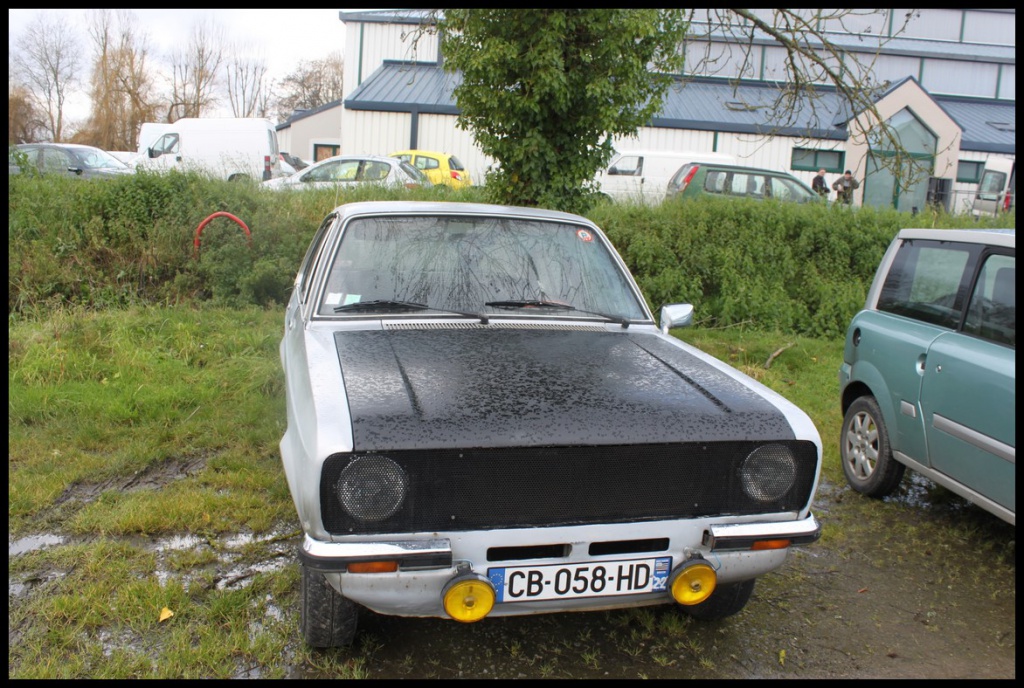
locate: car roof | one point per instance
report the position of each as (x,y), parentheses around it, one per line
(457,208)
(420,151)
(51,144)
(354,156)
(986,235)
(739,168)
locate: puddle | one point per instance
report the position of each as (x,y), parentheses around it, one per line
(919,492)
(232,565)
(31,543)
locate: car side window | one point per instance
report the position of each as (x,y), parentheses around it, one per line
(374,171)
(785,189)
(628,165)
(428,163)
(168,143)
(715,182)
(55,160)
(992,313)
(305,276)
(928,281)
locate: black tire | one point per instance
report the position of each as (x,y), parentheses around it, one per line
(328,619)
(725,601)
(865,450)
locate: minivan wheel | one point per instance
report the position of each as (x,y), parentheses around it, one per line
(328,619)
(865,450)
(726,600)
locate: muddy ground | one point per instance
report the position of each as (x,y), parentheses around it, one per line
(890,595)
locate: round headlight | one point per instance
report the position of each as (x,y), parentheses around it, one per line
(768,472)
(372,488)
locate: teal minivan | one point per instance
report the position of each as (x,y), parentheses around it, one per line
(928,379)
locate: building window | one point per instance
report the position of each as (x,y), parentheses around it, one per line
(969,171)
(811,160)
(322,151)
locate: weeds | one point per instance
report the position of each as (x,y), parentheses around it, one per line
(146,439)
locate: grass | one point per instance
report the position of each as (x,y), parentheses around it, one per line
(131,430)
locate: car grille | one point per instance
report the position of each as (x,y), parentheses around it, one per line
(484,489)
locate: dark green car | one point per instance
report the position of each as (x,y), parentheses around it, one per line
(928,379)
(737,181)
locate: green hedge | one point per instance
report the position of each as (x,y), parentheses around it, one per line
(118,242)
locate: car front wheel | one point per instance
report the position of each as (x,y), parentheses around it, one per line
(328,618)
(725,601)
(865,451)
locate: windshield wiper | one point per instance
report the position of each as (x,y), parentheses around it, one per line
(541,303)
(381,304)
(385,305)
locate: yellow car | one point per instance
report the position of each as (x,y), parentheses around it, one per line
(440,168)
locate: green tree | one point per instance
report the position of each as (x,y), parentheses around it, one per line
(544,91)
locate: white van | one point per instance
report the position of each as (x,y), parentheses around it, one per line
(997,189)
(226,147)
(643,175)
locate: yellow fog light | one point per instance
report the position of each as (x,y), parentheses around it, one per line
(693,582)
(468,598)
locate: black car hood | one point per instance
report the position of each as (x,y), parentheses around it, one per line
(506,387)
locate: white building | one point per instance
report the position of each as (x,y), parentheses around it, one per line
(947,82)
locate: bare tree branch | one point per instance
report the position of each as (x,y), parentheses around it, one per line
(49,63)
(195,72)
(247,85)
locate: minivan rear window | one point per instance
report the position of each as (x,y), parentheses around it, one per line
(928,282)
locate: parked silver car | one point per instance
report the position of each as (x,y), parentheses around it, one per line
(484,419)
(352,169)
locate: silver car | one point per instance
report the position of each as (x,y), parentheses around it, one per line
(484,419)
(347,170)
(67,159)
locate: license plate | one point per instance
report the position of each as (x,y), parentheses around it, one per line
(569,581)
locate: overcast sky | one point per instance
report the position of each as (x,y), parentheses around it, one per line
(282,37)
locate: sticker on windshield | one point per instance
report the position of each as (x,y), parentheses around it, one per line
(584,235)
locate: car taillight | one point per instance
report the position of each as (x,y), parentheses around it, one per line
(1006,202)
(266,167)
(689,176)
(456,176)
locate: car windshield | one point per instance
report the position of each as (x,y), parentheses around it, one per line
(495,265)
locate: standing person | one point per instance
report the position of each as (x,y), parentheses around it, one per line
(844,188)
(819,185)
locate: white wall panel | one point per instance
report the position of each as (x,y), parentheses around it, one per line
(439,133)
(954,77)
(867,21)
(721,59)
(934,24)
(1008,82)
(377,133)
(990,28)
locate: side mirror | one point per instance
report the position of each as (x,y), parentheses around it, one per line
(676,315)
(152,153)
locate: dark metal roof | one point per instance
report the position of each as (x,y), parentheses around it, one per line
(399,86)
(303,114)
(699,103)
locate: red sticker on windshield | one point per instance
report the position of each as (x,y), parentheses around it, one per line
(584,235)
